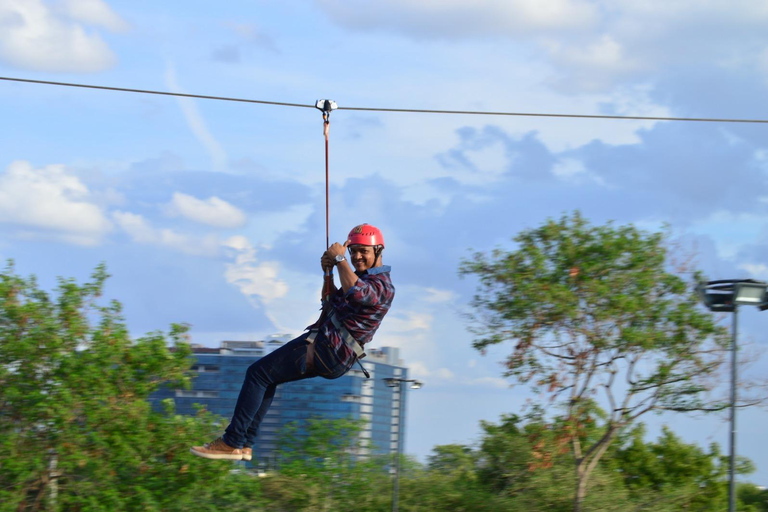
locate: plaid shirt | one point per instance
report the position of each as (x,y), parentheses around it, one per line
(360,310)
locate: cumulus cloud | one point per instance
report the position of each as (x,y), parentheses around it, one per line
(731,232)
(594,64)
(254,279)
(489,156)
(418,369)
(435,295)
(452,19)
(409,321)
(52,201)
(212,211)
(94,12)
(573,171)
(756,270)
(141,231)
(594,44)
(37,37)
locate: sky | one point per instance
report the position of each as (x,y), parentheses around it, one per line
(213,213)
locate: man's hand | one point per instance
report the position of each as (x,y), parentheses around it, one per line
(326,263)
(328,260)
(336,249)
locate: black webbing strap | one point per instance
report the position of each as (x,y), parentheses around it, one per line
(357,349)
(310,362)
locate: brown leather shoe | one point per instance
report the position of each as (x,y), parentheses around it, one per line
(218,450)
(247,453)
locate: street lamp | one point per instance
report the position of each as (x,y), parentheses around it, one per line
(726,296)
(399,383)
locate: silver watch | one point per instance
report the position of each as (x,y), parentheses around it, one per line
(340,258)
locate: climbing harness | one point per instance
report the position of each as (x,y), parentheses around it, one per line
(346,336)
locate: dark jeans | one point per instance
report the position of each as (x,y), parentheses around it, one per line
(286,364)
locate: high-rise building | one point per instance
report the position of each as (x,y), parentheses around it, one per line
(219,374)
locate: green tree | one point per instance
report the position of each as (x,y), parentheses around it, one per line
(752,498)
(595,309)
(668,474)
(323,467)
(530,462)
(76,429)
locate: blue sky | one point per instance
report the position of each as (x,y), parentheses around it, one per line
(212,213)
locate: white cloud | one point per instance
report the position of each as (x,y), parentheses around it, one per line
(135,225)
(142,232)
(435,295)
(444,376)
(573,170)
(409,321)
(35,37)
(730,11)
(212,211)
(452,19)
(756,270)
(51,200)
(593,64)
(605,52)
(418,369)
(197,124)
(95,12)
(593,44)
(730,231)
(488,164)
(253,279)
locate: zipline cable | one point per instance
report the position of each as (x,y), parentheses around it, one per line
(398,110)
(147,91)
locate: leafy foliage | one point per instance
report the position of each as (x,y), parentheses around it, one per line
(76,429)
(588,309)
(77,433)
(514,467)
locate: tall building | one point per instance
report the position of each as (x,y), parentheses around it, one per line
(219,374)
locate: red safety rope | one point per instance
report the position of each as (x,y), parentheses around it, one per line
(328,277)
(326,106)
(326,126)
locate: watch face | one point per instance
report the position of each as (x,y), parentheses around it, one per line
(339,258)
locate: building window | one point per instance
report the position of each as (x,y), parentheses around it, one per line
(205,368)
(193,393)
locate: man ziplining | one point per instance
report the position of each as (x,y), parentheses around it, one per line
(350,317)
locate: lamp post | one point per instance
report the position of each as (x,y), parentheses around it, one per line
(726,296)
(399,383)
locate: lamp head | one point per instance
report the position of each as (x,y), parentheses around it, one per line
(393,383)
(750,293)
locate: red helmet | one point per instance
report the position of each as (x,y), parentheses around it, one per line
(365,234)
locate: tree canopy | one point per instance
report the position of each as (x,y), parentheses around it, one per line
(77,431)
(595,313)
